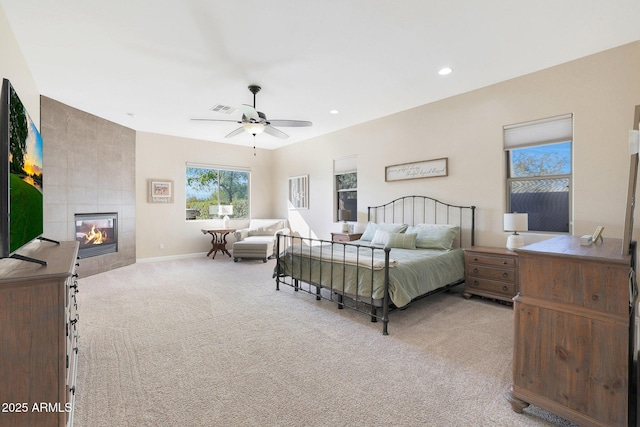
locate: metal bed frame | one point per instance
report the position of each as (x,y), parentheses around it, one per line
(410,210)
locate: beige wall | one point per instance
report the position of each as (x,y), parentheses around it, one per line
(14,68)
(601,90)
(165,157)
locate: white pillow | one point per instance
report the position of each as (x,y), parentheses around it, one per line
(435,236)
(264,227)
(381,237)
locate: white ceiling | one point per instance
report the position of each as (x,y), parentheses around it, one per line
(152,65)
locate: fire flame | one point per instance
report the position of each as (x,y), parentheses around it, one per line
(96,237)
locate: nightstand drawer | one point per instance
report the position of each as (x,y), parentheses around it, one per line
(502,261)
(486,272)
(492,286)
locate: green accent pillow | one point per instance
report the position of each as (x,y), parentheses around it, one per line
(401,240)
(372,227)
(435,236)
(394,240)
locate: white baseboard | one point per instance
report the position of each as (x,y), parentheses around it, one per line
(171,257)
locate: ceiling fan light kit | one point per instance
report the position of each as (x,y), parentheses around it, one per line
(253,128)
(255,122)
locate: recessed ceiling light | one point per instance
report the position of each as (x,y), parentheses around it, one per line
(445,70)
(334,112)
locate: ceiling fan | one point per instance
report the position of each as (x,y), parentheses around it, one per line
(255,122)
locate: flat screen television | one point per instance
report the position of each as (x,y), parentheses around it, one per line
(21,191)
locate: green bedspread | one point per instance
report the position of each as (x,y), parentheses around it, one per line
(347,269)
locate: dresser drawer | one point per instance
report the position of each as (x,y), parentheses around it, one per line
(492,286)
(495,260)
(483,271)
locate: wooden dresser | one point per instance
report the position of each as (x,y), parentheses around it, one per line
(490,272)
(573,325)
(38,336)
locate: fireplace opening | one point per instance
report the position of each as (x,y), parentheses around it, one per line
(97,234)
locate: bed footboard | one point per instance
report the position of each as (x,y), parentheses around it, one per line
(367,280)
(351,275)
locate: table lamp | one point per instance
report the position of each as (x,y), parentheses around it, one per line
(515,222)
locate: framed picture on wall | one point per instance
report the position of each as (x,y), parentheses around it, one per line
(160,191)
(299,192)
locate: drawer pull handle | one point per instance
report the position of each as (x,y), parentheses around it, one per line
(475,259)
(505,262)
(505,288)
(475,282)
(475,270)
(505,274)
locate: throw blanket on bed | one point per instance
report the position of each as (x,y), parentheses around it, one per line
(344,254)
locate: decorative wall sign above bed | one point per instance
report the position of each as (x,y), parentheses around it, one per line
(423,169)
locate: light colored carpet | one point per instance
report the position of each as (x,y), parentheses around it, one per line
(201,342)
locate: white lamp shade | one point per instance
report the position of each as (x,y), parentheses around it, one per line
(516,222)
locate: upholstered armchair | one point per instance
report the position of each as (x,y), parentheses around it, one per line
(259,239)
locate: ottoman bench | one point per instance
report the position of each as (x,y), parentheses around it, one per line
(253,249)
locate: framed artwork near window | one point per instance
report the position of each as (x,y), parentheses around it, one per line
(299,192)
(160,191)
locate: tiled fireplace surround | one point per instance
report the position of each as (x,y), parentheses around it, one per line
(89,166)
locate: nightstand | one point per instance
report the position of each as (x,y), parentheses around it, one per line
(491,273)
(345,237)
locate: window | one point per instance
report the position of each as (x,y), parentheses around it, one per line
(214,192)
(538,156)
(346,186)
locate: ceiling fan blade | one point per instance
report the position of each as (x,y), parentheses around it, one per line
(204,119)
(290,123)
(235,132)
(275,132)
(250,112)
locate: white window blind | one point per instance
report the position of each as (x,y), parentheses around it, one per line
(538,132)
